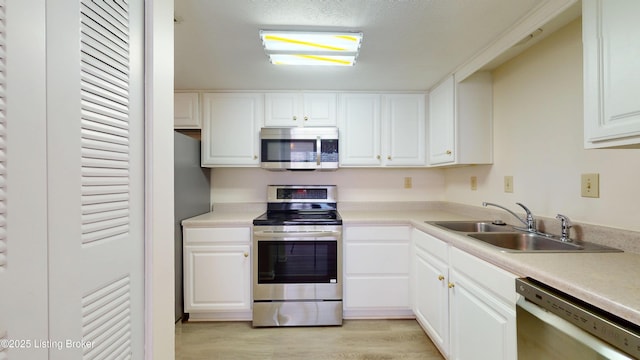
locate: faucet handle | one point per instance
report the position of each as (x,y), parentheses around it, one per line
(531,222)
(565,225)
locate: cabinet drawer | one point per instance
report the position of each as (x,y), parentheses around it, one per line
(387,292)
(499,282)
(376,258)
(358,233)
(431,245)
(217,235)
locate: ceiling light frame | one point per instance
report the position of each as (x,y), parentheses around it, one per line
(311,47)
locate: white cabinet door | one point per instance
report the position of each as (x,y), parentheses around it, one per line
(359,124)
(460,121)
(319,109)
(442,122)
(376,271)
(231,129)
(482,309)
(300,109)
(481,326)
(404,129)
(217,273)
(186,111)
(610,31)
(217,278)
(282,109)
(431,295)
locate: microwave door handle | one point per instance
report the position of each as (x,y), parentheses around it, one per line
(318,150)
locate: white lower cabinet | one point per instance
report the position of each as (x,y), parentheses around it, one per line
(465,305)
(376,272)
(431,295)
(217,273)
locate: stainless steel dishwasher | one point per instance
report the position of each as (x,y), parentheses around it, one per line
(554,325)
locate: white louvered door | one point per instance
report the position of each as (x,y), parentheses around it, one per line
(95,160)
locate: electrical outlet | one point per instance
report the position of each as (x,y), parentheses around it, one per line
(590,185)
(408,183)
(474,183)
(508,184)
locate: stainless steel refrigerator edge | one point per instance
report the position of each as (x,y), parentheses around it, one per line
(192,189)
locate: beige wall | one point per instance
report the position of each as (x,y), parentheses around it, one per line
(538,139)
(250,184)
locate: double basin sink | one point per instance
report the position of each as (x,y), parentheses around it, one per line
(507,239)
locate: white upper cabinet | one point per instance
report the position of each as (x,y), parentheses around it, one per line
(300,109)
(186,111)
(460,121)
(231,129)
(610,31)
(404,129)
(442,122)
(359,124)
(382,129)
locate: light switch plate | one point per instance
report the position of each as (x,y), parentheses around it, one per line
(508,184)
(590,185)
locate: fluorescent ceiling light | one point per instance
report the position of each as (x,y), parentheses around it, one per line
(311,48)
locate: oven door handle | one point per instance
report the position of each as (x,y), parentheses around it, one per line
(301,234)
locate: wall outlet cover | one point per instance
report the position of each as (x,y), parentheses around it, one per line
(408,182)
(474,183)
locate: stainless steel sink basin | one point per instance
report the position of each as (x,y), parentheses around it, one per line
(472,226)
(529,242)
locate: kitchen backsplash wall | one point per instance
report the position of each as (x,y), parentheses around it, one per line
(248,185)
(538,139)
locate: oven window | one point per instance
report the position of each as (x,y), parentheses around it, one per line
(297,262)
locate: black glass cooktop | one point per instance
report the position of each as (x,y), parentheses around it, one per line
(298,217)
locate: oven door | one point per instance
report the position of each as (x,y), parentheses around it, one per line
(297,265)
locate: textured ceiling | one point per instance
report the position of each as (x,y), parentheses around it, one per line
(408,44)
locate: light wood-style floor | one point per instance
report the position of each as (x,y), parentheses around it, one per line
(355,339)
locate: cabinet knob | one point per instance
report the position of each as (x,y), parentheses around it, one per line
(448,152)
(378,157)
(295,118)
(451,285)
(440,277)
(306,118)
(389,157)
(255,157)
(246,254)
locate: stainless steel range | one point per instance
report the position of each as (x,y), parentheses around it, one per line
(297,264)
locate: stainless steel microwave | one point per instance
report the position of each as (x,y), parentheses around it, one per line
(299,148)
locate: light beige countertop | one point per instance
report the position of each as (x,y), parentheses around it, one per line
(222,218)
(609,281)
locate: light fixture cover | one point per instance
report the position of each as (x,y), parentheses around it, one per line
(311,48)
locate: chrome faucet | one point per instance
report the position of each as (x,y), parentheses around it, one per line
(529,221)
(565,225)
